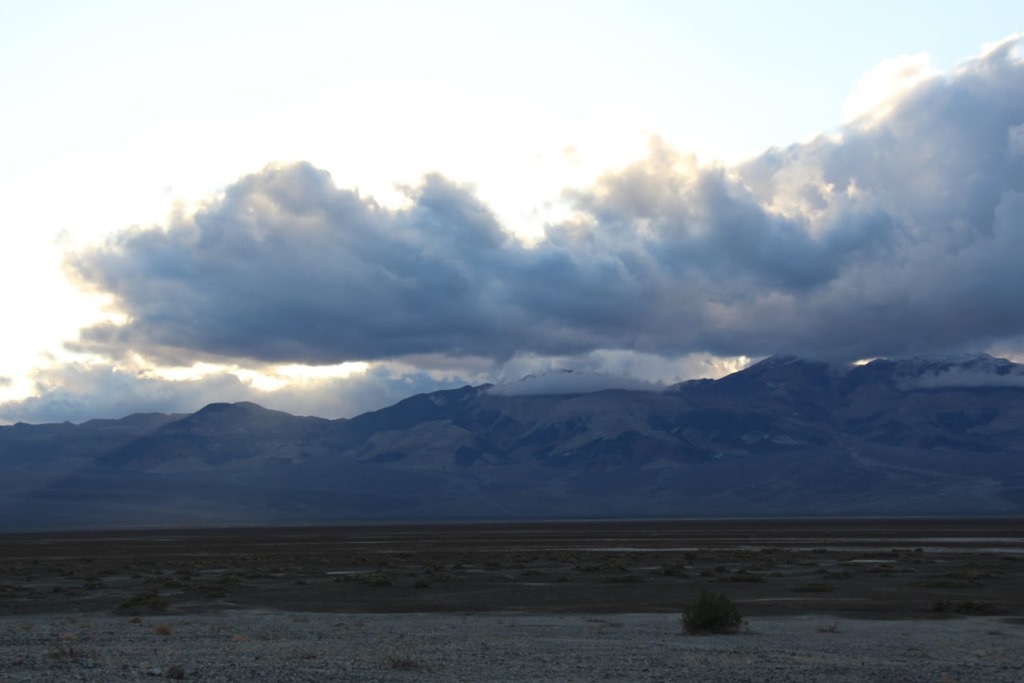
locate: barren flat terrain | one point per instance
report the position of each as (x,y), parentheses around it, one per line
(886,569)
(889,598)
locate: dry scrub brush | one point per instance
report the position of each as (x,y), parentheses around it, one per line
(711,613)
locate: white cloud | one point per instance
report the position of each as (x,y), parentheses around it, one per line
(880,89)
(967,379)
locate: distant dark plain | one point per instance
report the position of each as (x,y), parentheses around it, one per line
(907,568)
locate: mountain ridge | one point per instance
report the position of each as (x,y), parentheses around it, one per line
(785,436)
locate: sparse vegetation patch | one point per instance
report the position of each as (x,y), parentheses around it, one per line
(711,613)
(813,588)
(147,601)
(964,607)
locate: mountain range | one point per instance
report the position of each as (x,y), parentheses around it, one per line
(784,437)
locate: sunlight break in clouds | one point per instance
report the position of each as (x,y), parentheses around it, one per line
(880,89)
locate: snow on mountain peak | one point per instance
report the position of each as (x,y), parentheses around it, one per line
(570,382)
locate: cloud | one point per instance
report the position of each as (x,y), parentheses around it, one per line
(285,267)
(649,369)
(901,235)
(881,87)
(77,392)
(967,379)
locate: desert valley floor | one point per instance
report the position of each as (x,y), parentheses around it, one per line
(941,598)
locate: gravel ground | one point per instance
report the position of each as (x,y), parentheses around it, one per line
(289,646)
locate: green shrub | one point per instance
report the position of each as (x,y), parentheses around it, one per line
(711,613)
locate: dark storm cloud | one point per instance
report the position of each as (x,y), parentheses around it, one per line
(287,267)
(902,235)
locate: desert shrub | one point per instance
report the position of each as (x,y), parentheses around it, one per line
(947,583)
(741,577)
(711,613)
(974,607)
(64,648)
(964,607)
(148,601)
(677,569)
(213,591)
(828,574)
(230,580)
(813,588)
(628,578)
(971,574)
(402,663)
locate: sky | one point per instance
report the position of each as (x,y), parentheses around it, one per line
(325,207)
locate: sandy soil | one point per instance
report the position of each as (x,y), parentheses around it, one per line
(288,646)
